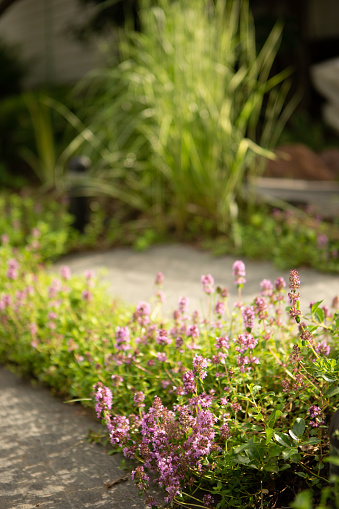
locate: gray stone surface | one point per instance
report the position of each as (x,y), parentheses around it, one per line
(45,459)
(131,275)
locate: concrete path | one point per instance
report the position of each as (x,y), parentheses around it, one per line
(131,275)
(45,459)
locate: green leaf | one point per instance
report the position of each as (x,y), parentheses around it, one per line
(303,500)
(316,305)
(319,314)
(257,452)
(274,450)
(269,434)
(284,467)
(275,415)
(282,439)
(299,427)
(311,441)
(289,453)
(242,459)
(302,474)
(332,391)
(293,435)
(256,389)
(241,448)
(272,468)
(332,459)
(259,417)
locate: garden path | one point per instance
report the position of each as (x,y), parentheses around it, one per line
(45,459)
(130,275)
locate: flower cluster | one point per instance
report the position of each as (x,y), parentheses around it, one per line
(207,282)
(239,273)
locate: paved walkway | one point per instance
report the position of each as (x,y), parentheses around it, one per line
(45,459)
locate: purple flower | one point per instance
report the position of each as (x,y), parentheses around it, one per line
(140,478)
(225,432)
(199,366)
(266,287)
(103,398)
(122,336)
(162,357)
(12,269)
(323,348)
(33,328)
(160,296)
(193,331)
(65,272)
(219,308)
(208,500)
(246,342)
(89,275)
(248,316)
(314,411)
(239,272)
(183,305)
(117,380)
(322,241)
(279,284)
(118,427)
(142,312)
(162,337)
(222,343)
(159,279)
(294,280)
(261,307)
(87,295)
(189,382)
(207,282)
(139,398)
(55,288)
(4,239)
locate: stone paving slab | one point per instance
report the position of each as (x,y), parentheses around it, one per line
(46,460)
(131,275)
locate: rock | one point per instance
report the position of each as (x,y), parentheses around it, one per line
(330,157)
(298,162)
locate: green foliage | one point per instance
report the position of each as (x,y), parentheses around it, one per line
(43,224)
(39,136)
(281,235)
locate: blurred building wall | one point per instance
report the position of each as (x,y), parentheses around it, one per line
(323,20)
(42,28)
(55,56)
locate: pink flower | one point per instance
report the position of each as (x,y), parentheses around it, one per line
(65,272)
(207,282)
(159,279)
(239,272)
(4,239)
(87,295)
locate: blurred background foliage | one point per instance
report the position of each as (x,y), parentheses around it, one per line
(187,107)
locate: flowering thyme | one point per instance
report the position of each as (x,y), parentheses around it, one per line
(239,273)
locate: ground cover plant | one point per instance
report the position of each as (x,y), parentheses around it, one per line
(39,224)
(224,403)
